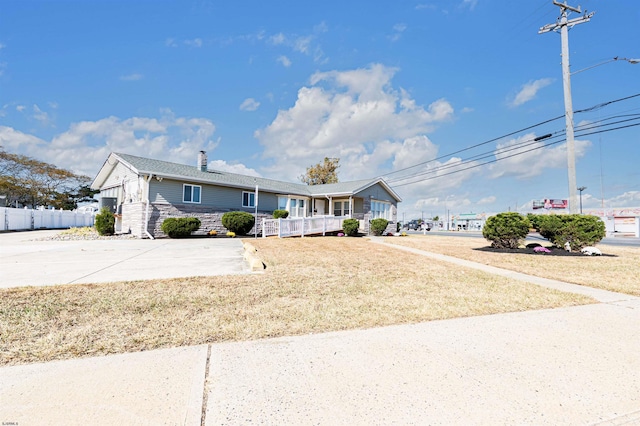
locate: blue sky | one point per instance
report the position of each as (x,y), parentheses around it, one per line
(393,88)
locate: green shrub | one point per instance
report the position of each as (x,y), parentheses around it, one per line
(548,225)
(576,229)
(280,214)
(506,230)
(534,219)
(378,226)
(179,227)
(105,222)
(350,227)
(238,222)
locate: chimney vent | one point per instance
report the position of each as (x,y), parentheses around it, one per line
(202,161)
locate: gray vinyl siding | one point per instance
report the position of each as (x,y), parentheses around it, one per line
(219,197)
(378,193)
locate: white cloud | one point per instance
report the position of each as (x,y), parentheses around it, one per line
(171,42)
(277,39)
(20,108)
(525,158)
(627,199)
(196,42)
(398,29)
(41,116)
(357,116)
(487,200)
(301,44)
(84,147)
(249,104)
(16,141)
(471,4)
(241,169)
(131,77)
(284,61)
(529,91)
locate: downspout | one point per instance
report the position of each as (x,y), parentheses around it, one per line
(146,215)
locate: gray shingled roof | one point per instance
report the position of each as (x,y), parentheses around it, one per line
(181,171)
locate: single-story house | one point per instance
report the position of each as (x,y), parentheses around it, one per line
(143,192)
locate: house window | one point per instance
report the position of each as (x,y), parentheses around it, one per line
(340,208)
(191,193)
(380,209)
(282,203)
(248,199)
(295,206)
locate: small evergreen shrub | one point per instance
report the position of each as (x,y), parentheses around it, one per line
(378,226)
(576,229)
(506,230)
(350,227)
(180,227)
(534,219)
(239,223)
(280,214)
(105,222)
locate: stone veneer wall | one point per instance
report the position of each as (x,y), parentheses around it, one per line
(210,218)
(133,219)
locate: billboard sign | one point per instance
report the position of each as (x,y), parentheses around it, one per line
(549,203)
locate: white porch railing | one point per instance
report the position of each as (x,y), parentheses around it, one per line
(301,226)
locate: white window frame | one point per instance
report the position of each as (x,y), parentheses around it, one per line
(344,211)
(250,197)
(192,192)
(294,212)
(380,209)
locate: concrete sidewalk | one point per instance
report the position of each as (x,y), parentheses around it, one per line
(578,365)
(26,261)
(572,366)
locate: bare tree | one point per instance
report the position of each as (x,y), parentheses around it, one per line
(322,173)
(30,182)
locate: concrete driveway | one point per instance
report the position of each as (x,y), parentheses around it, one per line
(25,261)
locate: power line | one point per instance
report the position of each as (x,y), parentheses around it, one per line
(413,175)
(517,148)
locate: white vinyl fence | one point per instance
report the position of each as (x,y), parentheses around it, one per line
(21,219)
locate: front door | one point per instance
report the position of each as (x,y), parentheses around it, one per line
(318,209)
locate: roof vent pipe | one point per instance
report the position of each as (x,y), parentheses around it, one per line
(202,161)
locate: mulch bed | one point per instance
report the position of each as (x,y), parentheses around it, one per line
(529,250)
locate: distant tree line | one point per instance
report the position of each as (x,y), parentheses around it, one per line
(27,182)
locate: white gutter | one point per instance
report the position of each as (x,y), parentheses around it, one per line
(146,215)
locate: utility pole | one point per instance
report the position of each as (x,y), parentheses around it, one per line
(563,25)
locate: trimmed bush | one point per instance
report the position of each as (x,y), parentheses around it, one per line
(378,226)
(239,223)
(280,214)
(105,222)
(506,230)
(576,229)
(350,227)
(180,227)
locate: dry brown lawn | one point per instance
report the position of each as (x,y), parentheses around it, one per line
(619,271)
(311,285)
